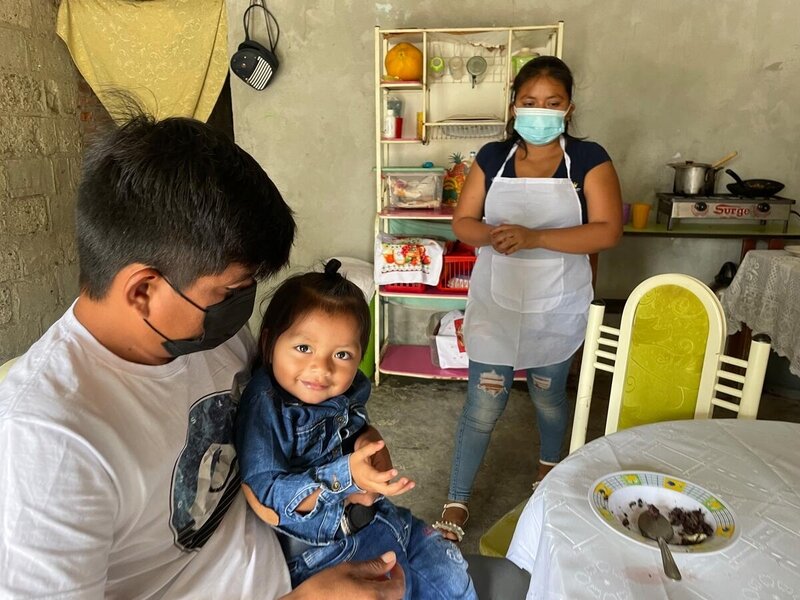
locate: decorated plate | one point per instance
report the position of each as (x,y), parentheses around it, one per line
(619,498)
(793,250)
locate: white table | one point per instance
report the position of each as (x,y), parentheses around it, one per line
(765,296)
(754,466)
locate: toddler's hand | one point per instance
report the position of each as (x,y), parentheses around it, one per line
(363,498)
(370,479)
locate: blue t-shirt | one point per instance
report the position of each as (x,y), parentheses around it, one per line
(584,157)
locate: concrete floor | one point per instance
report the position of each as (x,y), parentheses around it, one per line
(418,419)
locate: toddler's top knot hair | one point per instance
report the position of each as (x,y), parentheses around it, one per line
(332,267)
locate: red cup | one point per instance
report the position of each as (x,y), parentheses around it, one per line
(398,127)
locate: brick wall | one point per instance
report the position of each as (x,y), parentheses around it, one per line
(44,110)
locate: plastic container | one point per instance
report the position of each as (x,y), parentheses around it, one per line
(469,160)
(436,65)
(458,262)
(520,57)
(390,125)
(413,187)
(396,104)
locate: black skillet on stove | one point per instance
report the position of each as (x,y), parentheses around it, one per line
(753,188)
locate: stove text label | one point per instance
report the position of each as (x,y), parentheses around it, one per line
(728,210)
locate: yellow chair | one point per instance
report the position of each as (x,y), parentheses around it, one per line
(670,348)
(667,359)
(497,539)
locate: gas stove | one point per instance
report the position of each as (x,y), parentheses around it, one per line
(726,207)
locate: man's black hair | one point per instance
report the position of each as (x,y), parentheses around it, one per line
(178,196)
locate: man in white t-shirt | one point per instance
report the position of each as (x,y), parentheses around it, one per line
(117,467)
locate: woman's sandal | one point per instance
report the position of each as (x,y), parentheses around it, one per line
(451,527)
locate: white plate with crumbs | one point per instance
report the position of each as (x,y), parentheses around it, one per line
(793,250)
(701,521)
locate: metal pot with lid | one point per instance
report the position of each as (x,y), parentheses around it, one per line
(695,178)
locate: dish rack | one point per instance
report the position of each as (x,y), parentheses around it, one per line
(466,127)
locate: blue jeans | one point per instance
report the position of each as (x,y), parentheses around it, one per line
(487,395)
(433,566)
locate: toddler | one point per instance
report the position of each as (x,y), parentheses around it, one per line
(311,464)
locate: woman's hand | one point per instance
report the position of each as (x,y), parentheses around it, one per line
(508,238)
(381,578)
(370,479)
(363,498)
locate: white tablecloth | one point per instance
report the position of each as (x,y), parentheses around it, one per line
(765,295)
(754,466)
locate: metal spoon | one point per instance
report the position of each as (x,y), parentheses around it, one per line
(656,527)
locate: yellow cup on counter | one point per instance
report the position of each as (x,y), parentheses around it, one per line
(640,212)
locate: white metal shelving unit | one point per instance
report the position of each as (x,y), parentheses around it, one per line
(455,110)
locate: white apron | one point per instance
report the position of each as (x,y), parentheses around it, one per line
(528,309)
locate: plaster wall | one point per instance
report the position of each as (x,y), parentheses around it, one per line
(652,79)
(40,148)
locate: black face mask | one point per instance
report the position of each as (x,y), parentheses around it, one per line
(222,321)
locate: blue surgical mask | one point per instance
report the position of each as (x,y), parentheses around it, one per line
(539,126)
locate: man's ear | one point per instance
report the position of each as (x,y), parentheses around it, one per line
(139,282)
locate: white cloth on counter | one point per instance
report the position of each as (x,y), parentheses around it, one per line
(765,296)
(751,465)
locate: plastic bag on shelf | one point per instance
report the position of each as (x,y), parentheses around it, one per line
(445,333)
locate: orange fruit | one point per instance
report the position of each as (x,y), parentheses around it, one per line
(404,62)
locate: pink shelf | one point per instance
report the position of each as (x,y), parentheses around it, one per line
(415,361)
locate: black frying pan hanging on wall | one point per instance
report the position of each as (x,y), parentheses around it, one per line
(753,188)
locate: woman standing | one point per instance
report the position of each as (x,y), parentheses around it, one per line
(536,204)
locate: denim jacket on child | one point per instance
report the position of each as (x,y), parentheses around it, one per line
(288,449)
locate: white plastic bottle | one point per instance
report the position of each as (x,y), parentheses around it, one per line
(390,125)
(469,161)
